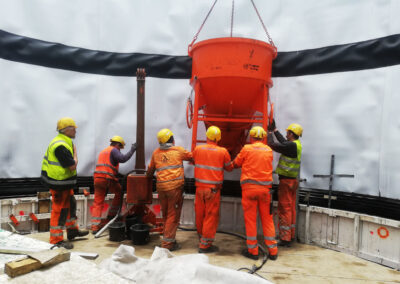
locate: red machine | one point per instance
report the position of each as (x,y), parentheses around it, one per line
(139,189)
(230,77)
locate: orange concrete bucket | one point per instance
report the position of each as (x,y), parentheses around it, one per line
(231,77)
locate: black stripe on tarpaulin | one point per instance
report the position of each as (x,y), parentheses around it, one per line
(370,54)
(55,55)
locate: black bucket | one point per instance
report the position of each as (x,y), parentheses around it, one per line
(117,232)
(140,234)
(129,221)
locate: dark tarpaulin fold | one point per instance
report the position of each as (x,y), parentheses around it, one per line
(374,53)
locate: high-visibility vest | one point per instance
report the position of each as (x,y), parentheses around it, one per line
(290,167)
(50,164)
(104,168)
(210,161)
(169,167)
(256,162)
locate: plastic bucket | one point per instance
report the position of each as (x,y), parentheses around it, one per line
(140,234)
(117,232)
(129,221)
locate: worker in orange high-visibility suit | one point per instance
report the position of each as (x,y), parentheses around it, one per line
(166,162)
(59,175)
(256,181)
(288,170)
(210,161)
(106,180)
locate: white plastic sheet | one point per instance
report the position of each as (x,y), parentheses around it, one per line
(164,267)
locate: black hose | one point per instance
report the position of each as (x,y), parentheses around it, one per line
(254,267)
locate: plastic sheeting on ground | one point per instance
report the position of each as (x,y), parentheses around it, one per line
(164,267)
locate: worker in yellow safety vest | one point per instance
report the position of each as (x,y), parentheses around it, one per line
(59,175)
(288,170)
(166,162)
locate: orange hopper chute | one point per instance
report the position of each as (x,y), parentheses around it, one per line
(231,77)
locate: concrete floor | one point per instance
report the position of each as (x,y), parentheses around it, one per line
(297,264)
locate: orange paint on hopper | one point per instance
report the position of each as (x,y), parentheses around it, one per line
(231,77)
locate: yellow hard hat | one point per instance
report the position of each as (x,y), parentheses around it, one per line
(295,128)
(258,132)
(163,135)
(118,139)
(65,122)
(213,133)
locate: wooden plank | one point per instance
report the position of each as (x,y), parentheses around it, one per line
(28,251)
(21,266)
(28,264)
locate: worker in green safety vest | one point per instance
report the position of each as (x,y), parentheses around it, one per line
(288,170)
(59,176)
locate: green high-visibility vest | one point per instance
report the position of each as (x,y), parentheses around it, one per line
(290,167)
(52,166)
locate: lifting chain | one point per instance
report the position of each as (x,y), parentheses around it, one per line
(262,23)
(197,34)
(232,14)
(233,9)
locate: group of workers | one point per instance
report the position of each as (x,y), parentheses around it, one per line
(210,162)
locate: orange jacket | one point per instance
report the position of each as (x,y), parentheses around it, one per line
(168,167)
(104,168)
(210,161)
(256,162)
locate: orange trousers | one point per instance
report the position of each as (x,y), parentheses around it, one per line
(63,214)
(287,208)
(258,197)
(171,206)
(101,187)
(206,205)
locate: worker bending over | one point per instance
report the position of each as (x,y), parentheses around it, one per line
(59,175)
(166,162)
(106,180)
(288,170)
(256,181)
(210,161)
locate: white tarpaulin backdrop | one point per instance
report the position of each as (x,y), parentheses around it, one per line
(352,115)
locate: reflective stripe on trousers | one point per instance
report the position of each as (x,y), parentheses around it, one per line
(287,208)
(254,199)
(206,206)
(101,187)
(171,206)
(60,216)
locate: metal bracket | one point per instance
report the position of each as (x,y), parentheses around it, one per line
(331,176)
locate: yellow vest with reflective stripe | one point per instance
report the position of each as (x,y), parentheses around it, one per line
(50,163)
(290,167)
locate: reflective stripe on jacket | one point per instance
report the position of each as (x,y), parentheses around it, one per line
(210,161)
(168,166)
(290,167)
(104,168)
(256,162)
(53,168)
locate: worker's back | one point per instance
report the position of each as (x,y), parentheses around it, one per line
(210,161)
(256,162)
(169,167)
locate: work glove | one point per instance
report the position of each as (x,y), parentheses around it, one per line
(272,126)
(134,146)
